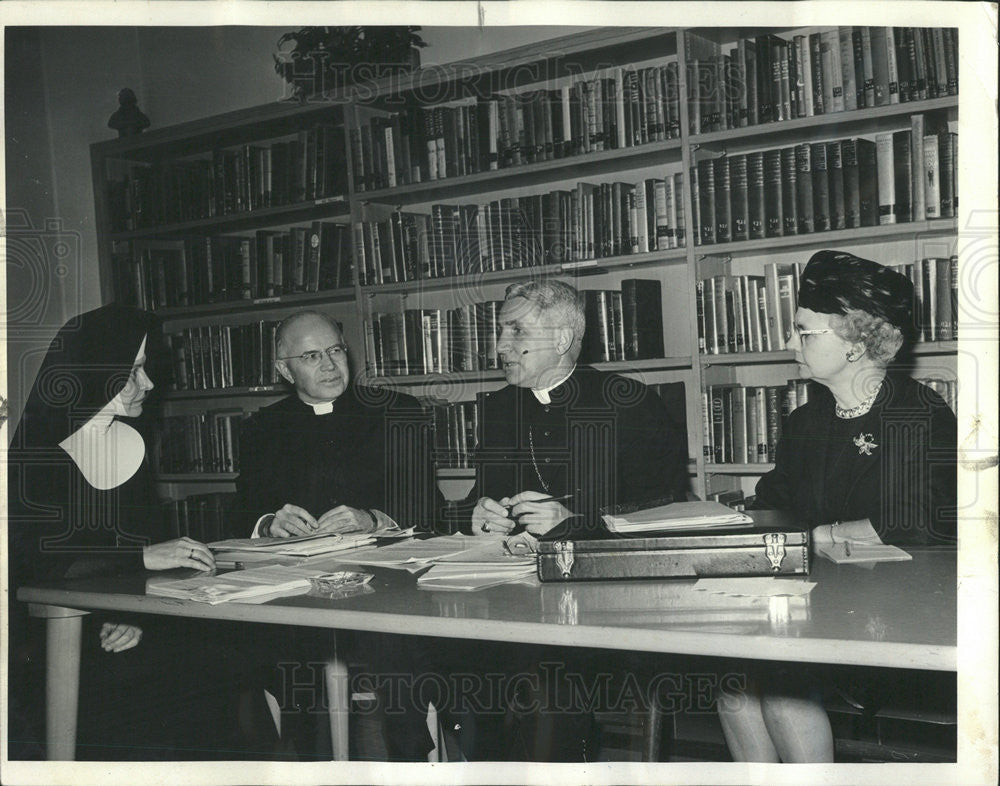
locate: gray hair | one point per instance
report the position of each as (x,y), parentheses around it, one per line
(286,324)
(561,304)
(881,339)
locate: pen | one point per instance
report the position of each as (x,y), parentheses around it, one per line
(518,528)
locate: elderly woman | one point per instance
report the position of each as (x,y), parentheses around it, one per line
(872,452)
(82,504)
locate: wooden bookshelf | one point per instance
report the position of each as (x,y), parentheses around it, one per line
(326,208)
(738,469)
(546,65)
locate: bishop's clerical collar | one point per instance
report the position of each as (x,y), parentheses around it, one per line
(542,394)
(323,408)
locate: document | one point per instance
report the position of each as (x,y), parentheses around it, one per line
(249,586)
(678,516)
(860,552)
(302,546)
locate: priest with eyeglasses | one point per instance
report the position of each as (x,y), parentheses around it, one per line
(331,457)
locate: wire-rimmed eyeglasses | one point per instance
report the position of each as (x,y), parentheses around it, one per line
(799,333)
(313,357)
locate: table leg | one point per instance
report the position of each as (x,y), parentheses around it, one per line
(338,696)
(62,686)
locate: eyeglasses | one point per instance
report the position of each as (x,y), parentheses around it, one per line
(800,333)
(314,356)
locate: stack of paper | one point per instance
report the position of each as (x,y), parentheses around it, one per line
(415,555)
(484,564)
(678,516)
(861,552)
(302,546)
(249,586)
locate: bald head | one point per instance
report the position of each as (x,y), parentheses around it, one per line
(312,356)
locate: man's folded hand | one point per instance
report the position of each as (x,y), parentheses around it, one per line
(291,521)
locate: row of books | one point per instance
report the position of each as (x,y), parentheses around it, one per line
(214,357)
(204,442)
(620,108)
(769,78)
(455,430)
(745,313)
(432,340)
(202,517)
(221,268)
(592,221)
(308,167)
(742,425)
(811,187)
(625,324)
(749,313)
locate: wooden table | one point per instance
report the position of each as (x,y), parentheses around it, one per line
(894,615)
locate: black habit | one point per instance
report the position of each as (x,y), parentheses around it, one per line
(372,452)
(604,438)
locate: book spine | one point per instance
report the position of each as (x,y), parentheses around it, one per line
(804,188)
(723,204)
(903,175)
(740,206)
(918,176)
(847,73)
(947,169)
(868,193)
(892,65)
(772,193)
(880,66)
(790,218)
(821,187)
(943,292)
(757,222)
(886,179)
(835,172)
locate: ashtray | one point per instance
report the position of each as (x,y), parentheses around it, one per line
(341,584)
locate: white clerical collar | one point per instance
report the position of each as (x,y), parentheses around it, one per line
(542,394)
(323,408)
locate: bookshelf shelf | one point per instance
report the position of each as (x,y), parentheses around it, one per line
(241,126)
(587,165)
(336,207)
(226,393)
(496,375)
(738,469)
(673,256)
(746,358)
(196,477)
(786,356)
(936,348)
(853,123)
(831,239)
(263,305)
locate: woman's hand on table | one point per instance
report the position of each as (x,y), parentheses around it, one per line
(180,553)
(118,637)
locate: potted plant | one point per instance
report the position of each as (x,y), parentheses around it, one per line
(328,58)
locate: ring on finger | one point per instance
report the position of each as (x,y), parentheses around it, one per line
(486,527)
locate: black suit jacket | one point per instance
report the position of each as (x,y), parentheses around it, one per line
(604,438)
(906,486)
(371,452)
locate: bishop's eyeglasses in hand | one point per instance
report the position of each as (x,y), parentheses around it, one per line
(314,356)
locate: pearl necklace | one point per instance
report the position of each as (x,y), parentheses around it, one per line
(861,408)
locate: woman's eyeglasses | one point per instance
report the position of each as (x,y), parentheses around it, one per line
(795,331)
(314,356)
